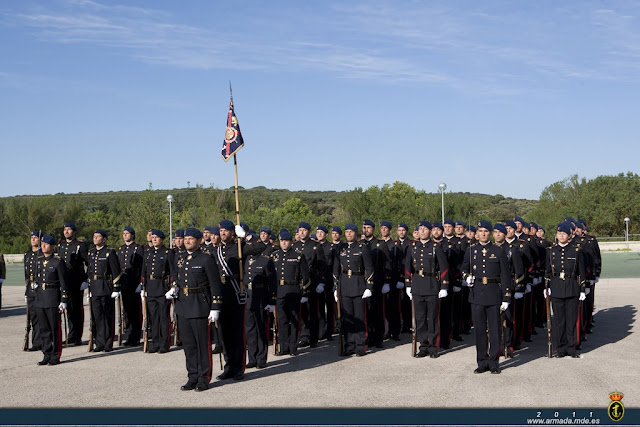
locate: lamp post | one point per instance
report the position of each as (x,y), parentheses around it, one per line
(170,200)
(626,222)
(442,187)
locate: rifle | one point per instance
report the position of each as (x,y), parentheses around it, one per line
(91,322)
(120,318)
(275,332)
(27,330)
(548,307)
(145,321)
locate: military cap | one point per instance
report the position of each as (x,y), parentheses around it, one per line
(425,224)
(579,224)
(572,226)
(70,225)
(130,230)
(265,230)
(386,224)
(337,229)
(582,221)
(193,232)
(215,230)
(403,225)
(252,232)
(226,224)
(48,238)
(569,219)
(369,223)
(449,221)
(519,219)
(473,228)
(208,228)
(483,223)
(351,226)
(542,228)
(500,227)
(533,225)
(244,226)
(462,223)
(437,224)
(510,223)
(272,237)
(416,228)
(159,233)
(304,225)
(37,233)
(564,227)
(322,228)
(102,233)
(313,236)
(179,232)
(285,235)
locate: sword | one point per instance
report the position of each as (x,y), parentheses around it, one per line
(66,335)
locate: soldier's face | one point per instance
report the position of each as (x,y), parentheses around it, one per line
(518,226)
(459,230)
(525,230)
(562,237)
(367,231)
(321,235)
(335,235)
(156,241)
(416,234)
(264,236)
(35,241)
(470,234)
(98,239)
(149,236)
(350,235)
(206,235)
(424,233)
(578,231)
(215,239)
(47,248)
(178,241)
(448,229)
(436,232)
(401,232)
(191,243)
(385,232)
(511,232)
(226,235)
(540,233)
(498,236)
(303,233)
(126,236)
(532,231)
(68,233)
(482,235)
(285,245)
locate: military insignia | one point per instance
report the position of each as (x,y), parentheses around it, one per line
(484,251)
(251,261)
(231,134)
(188,257)
(180,262)
(616,408)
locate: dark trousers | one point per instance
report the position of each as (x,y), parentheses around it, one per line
(375,317)
(132,310)
(392,309)
(405,308)
(445,320)
(538,313)
(309,319)
(507,329)
(518,321)
(36,340)
(103,308)
(288,312)
(160,322)
(589,306)
(354,323)
(563,326)
(487,317)
(232,330)
(75,312)
(466,310)
(196,343)
(426,309)
(257,337)
(527,317)
(50,332)
(457,305)
(326,312)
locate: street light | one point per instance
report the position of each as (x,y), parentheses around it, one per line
(626,222)
(170,199)
(442,187)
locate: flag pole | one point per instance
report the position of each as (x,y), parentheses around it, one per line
(235,170)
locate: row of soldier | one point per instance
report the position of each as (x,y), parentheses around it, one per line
(303,281)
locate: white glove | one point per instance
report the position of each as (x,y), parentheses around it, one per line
(587,291)
(84,286)
(470,280)
(366,294)
(88,296)
(214,315)
(457,289)
(171,294)
(320,288)
(303,300)
(139,288)
(408,290)
(546,292)
(582,296)
(34,285)
(443,293)
(399,285)
(240,231)
(528,288)
(25,299)
(62,307)
(519,295)
(271,308)
(504,306)
(143,295)
(115,294)
(335,295)
(386,288)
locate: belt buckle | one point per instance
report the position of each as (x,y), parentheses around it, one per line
(44,286)
(485,280)
(282,282)
(223,279)
(95,277)
(421,273)
(185,290)
(562,275)
(250,285)
(349,273)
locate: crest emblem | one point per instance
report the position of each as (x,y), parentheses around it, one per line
(231,134)
(616,408)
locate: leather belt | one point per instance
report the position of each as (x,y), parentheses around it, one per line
(287,282)
(187,290)
(563,275)
(152,277)
(98,276)
(252,285)
(45,286)
(353,273)
(487,280)
(422,273)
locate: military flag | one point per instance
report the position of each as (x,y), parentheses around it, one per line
(232,137)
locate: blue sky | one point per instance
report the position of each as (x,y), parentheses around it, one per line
(493,96)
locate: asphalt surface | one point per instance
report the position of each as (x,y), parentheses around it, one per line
(319,378)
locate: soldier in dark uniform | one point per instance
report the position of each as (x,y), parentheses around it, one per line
(104,287)
(565,273)
(326,304)
(538,309)
(198,298)
(391,299)
(233,300)
(207,245)
(416,233)
(490,293)
(470,234)
(75,256)
(149,242)
(336,235)
(402,244)
(593,273)
(30,263)
(456,247)
(265,238)
(293,284)
(534,262)
(426,281)
(130,257)
(3,275)
(309,326)
(156,274)
(459,228)
(519,289)
(450,247)
(465,308)
(353,281)
(260,283)
(517,275)
(51,300)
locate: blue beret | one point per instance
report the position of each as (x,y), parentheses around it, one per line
(37,233)
(518,219)
(193,232)
(244,226)
(483,223)
(533,225)
(285,235)
(322,228)
(569,219)
(265,230)
(437,225)
(313,236)
(510,223)
(462,223)
(226,224)
(403,225)
(386,224)
(159,233)
(180,232)
(208,228)
(416,228)
(579,224)
(571,225)
(272,237)
(425,224)
(369,223)
(564,227)
(500,227)
(252,232)
(304,225)
(541,228)
(351,226)
(215,230)
(102,233)
(449,221)
(582,221)
(70,225)
(130,230)
(47,238)
(473,228)
(337,229)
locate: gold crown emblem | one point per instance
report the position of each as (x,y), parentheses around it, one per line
(616,396)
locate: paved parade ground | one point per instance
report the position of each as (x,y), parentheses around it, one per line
(317,377)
